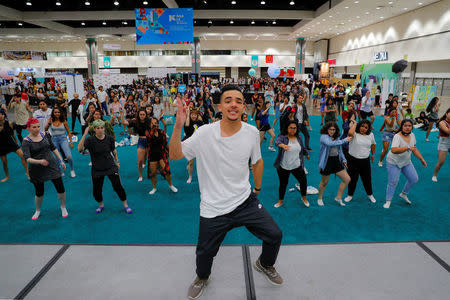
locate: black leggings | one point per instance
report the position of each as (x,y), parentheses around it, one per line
(58,183)
(283,175)
(19,129)
(74,118)
(97,184)
(359,167)
(302,128)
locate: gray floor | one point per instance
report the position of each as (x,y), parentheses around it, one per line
(330,271)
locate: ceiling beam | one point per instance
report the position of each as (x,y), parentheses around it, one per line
(199,30)
(9,14)
(198,14)
(171,3)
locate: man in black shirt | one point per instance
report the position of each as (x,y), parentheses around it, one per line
(74,104)
(340,95)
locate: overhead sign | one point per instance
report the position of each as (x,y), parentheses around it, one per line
(380,56)
(269,59)
(111,46)
(254,61)
(107,61)
(332,62)
(164,26)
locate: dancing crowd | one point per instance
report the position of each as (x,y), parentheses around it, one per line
(348,150)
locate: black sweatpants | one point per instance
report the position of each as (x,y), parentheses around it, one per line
(19,129)
(97,185)
(340,105)
(283,176)
(303,129)
(359,167)
(58,183)
(74,118)
(250,214)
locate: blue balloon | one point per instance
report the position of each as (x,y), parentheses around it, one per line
(273,71)
(251,72)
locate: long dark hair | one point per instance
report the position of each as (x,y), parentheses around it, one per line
(443,117)
(61,118)
(284,130)
(146,123)
(362,122)
(432,104)
(327,126)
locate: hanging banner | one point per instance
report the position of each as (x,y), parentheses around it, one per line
(164,26)
(107,61)
(269,59)
(254,61)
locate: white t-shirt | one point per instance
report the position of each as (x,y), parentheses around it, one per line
(222,166)
(403,159)
(300,114)
(291,158)
(102,96)
(157,108)
(359,146)
(42,117)
(80,111)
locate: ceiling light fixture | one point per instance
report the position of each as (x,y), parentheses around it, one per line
(20,24)
(381,17)
(390,2)
(58,3)
(233,2)
(29,3)
(125,23)
(145,2)
(420,3)
(292,3)
(231,22)
(263,2)
(253,22)
(116,3)
(87,3)
(405,8)
(274,22)
(356,2)
(346,7)
(104,23)
(82,23)
(209,22)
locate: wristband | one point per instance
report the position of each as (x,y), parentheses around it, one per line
(257,189)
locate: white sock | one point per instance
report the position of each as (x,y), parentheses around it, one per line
(152,191)
(174,189)
(64,212)
(36,215)
(387,204)
(372,198)
(189,180)
(320,202)
(348,198)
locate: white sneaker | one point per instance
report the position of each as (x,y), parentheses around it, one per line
(427,140)
(305,203)
(348,198)
(140,179)
(306,171)
(278,204)
(90,163)
(434,178)
(272,149)
(320,202)
(189,180)
(387,204)
(72,174)
(174,189)
(372,198)
(64,212)
(380,163)
(405,197)
(152,192)
(339,201)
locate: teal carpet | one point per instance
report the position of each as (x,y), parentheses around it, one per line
(168,218)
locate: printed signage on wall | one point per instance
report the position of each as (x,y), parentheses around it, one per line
(107,61)
(111,46)
(254,61)
(164,26)
(380,56)
(269,59)
(332,62)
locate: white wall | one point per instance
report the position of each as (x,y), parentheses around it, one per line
(419,35)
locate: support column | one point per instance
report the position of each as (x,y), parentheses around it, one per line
(235,73)
(412,74)
(92,56)
(195,54)
(300,56)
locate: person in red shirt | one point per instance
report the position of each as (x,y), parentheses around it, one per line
(24,95)
(256,85)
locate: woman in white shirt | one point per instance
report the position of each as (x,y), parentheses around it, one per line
(361,151)
(399,161)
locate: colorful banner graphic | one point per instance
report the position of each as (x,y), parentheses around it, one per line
(254,61)
(24,55)
(164,26)
(422,96)
(106,61)
(269,59)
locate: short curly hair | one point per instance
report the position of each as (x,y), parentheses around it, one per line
(362,122)
(327,126)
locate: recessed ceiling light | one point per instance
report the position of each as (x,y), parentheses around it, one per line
(292,3)
(209,22)
(356,2)
(87,3)
(420,3)
(116,3)
(330,16)
(346,7)
(274,22)
(405,8)
(263,2)
(20,24)
(233,2)
(204,1)
(145,2)
(390,2)
(125,23)
(82,23)
(381,17)
(29,3)
(378,7)
(253,22)
(58,3)
(104,23)
(231,22)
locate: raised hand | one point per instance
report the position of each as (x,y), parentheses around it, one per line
(181,114)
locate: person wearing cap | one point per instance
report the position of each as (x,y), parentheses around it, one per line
(102,149)
(38,150)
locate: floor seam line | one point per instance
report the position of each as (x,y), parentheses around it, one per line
(33,282)
(248,272)
(434,256)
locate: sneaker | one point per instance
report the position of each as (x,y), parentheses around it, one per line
(72,174)
(174,189)
(405,197)
(189,180)
(372,198)
(270,273)
(306,203)
(272,149)
(306,171)
(427,140)
(152,191)
(90,163)
(278,204)
(434,179)
(196,288)
(387,204)
(348,198)
(140,179)
(320,202)
(339,201)
(380,163)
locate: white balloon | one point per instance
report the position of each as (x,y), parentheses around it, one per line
(273,71)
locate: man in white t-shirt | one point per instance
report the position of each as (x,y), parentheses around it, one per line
(103,97)
(222,150)
(42,114)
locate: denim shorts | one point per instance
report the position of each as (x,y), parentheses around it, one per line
(387,136)
(444,144)
(142,143)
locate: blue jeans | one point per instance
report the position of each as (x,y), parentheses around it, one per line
(105,108)
(61,143)
(394,175)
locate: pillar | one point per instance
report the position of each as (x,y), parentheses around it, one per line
(92,56)
(195,53)
(300,56)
